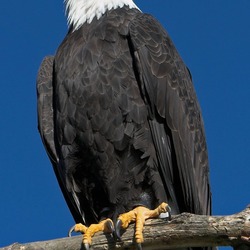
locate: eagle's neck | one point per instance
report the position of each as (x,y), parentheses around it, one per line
(81,11)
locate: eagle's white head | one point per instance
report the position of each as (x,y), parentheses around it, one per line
(81,11)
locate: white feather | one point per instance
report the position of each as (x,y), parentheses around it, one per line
(81,11)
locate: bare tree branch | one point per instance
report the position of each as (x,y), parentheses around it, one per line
(183,230)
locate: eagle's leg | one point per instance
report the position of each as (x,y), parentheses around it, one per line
(105,226)
(139,215)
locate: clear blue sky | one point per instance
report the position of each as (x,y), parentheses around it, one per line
(213,38)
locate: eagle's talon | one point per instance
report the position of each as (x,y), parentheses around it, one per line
(168,208)
(139,215)
(118,227)
(109,226)
(78,228)
(169,218)
(139,247)
(86,246)
(105,226)
(71,230)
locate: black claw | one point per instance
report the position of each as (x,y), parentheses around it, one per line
(118,227)
(86,246)
(139,247)
(72,229)
(169,217)
(110,226)
(169,212)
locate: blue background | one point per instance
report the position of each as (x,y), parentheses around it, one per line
(213,38)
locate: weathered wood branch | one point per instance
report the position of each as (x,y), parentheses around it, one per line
(182,231)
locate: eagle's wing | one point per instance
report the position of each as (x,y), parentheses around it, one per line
(176,122)
(44,107)
(46,128)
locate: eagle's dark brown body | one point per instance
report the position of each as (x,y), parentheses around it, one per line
(120,120)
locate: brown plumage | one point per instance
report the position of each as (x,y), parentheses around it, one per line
(119,118)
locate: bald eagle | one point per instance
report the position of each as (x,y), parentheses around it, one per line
(119,117)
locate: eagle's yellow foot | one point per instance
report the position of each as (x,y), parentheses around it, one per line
(139,215)
(105,226)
